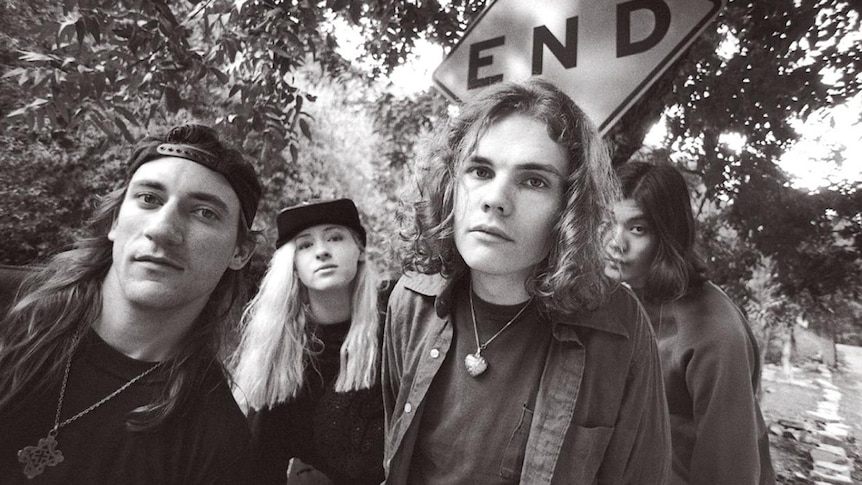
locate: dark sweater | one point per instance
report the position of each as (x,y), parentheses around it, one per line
(711,369)
(205,445)
(338,433)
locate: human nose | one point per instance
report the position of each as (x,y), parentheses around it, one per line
(497,198)
(165,226)
(322,250)
(616,240)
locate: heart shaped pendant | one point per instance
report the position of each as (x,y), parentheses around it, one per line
(475,364)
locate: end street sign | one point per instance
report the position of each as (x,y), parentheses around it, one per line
(603,53)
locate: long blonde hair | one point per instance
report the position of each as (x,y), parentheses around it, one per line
(277,342)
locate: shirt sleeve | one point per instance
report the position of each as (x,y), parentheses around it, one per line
(271,448)
(391,359)
(725,411)
(237,472)
(640,450)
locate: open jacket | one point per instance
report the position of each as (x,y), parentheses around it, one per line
(600,413)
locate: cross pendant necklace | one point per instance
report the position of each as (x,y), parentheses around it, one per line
(45,453)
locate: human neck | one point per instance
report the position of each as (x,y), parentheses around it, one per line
(143,333)
(499,289)
(330,306)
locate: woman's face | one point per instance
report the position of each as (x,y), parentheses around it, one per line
(632,245)
(327,257)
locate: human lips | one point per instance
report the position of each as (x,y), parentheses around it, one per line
(490,230)
(159,261)
(325,267)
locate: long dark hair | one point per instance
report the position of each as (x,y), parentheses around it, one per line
(661,192)
(64,297)
(571,279)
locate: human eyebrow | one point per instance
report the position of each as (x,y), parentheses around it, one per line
(478,160)
(301,238)
(541,167)
(213,199)
(640,220)
(333,227)
(147,184)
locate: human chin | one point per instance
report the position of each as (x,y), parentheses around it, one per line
(612,271)
(486,259)
(152,293)
(326,282)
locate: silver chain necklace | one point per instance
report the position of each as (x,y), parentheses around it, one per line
(476,364)
(45,453)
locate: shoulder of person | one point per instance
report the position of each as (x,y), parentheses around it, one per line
(622,313)
(384,290)
(423,284)
(709,315)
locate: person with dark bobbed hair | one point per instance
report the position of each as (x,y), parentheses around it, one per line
(710,359)
(110,357)
(508,356)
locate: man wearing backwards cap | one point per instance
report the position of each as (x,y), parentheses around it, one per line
(109,369)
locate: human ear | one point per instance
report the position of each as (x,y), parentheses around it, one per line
(242,254)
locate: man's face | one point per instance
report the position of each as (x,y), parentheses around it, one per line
(327,258)
(174,236)
(508,195)
(631,246)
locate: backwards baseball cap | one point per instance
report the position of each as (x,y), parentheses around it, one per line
(231,164)
(295,219)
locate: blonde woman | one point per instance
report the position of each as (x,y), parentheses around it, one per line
(308,361)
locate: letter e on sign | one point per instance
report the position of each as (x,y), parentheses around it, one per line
(603,53)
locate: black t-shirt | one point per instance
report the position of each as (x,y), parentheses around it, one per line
(206,444)
(475,429)
(338,433)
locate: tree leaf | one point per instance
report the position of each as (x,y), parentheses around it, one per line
(303,125)
(81,30)
(127,114)
(172,99)
(30,56)
(124,130)
(222,77)
(14,72)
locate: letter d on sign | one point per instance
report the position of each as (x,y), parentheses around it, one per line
(661,15)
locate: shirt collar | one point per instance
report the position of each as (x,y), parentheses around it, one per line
(606,318)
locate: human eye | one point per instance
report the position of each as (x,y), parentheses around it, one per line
(335,236)
(303,245)
(537,182)
(207,214)
(639,229)
(479,171)
(147,199)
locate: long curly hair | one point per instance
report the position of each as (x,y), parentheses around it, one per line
(661,192)
(278,342)
(64,297)
(571,279)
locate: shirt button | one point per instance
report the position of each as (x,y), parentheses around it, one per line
(408,408)
(435,353)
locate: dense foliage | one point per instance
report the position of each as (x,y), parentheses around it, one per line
(83,79)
